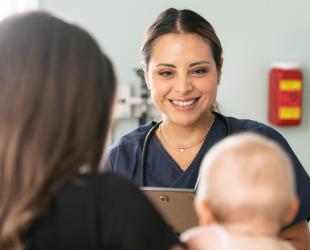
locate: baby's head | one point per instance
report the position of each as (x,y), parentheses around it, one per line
(246,178)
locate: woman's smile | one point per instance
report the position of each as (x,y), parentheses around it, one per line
(184,104)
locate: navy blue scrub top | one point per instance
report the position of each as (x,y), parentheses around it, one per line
(124,158)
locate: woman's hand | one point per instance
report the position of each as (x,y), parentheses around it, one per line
(178,247)
(298,235)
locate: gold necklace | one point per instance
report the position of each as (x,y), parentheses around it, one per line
(182,149)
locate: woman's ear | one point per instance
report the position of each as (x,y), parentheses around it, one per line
(219,74)
(292,212)
(204,212)
(145,74)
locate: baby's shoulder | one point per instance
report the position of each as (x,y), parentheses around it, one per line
(203,237)
(244,242)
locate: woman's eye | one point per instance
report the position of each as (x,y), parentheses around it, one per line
(199,71)
(166,73)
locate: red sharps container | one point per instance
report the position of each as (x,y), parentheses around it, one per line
(285,94)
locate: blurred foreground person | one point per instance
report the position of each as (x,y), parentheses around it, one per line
(56,96)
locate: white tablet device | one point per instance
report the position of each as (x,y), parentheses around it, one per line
(176,206)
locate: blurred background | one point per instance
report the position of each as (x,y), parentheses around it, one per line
(254,34)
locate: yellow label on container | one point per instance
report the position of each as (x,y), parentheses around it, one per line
(290,85)
(289,113)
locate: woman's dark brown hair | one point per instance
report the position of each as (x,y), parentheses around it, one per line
(56,96)
(179,22)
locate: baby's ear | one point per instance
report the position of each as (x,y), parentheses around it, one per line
(292,212)
(204,212)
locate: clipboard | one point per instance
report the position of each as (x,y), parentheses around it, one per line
(175,205)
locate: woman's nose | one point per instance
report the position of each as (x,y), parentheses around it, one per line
(184,84)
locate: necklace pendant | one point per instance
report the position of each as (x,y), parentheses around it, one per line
(182,150)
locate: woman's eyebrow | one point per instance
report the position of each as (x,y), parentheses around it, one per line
(166,65)
(199,62)
(191,65)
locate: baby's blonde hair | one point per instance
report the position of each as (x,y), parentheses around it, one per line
(247,176)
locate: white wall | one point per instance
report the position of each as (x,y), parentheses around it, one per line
(253,35)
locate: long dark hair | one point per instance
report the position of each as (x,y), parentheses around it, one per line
(178,22)
(56,96)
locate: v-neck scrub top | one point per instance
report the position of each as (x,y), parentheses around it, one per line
(124,158)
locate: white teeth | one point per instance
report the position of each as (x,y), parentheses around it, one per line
(180,103)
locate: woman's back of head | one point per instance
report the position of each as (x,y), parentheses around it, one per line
(56,95)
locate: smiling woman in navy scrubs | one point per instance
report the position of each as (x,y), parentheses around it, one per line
(182,61)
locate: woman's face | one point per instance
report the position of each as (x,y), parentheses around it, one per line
(183,78)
